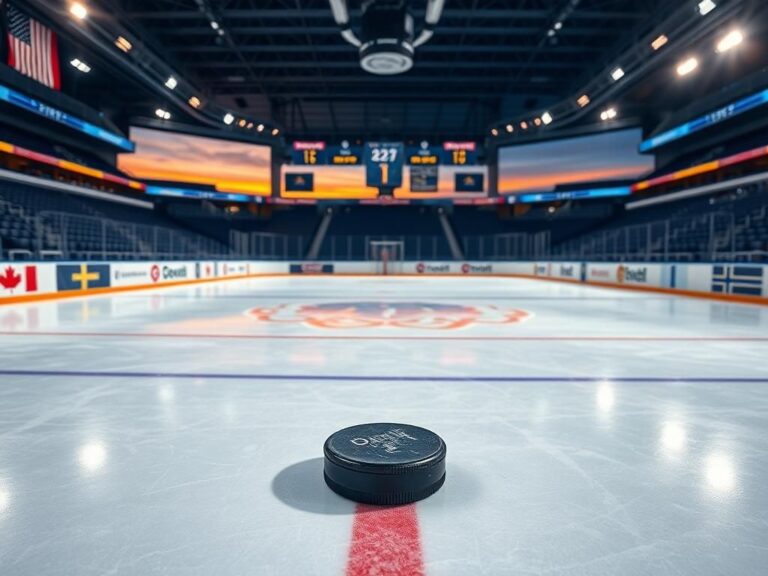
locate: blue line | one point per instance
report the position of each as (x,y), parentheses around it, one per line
(348,378)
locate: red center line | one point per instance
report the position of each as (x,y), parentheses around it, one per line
(606,338)
(385,542)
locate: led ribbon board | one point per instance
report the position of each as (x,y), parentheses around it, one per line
(715,117)
(572,195)
(36,107)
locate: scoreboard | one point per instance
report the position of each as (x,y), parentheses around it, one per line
(338,169)
(384,164)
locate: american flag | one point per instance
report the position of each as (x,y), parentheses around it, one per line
(33,49)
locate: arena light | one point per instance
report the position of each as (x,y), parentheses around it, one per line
(706,6)
(608,114)
(687,66)
(228,118)
(171,83)
(524,125)
(78,11)
(194,101)
(123,44)
(260,128)
(242,123)
(660,41)
(617,74)
(215,25)
(494,132)
(583,100)
(510,128)
(275,132)
(546,118)
(80,65)
(558,25)
(537,121)
(729,41)
(163,114)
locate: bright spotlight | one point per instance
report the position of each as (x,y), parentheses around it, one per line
(194,101)
(617,74)
(80,65)
(608,114)
(171,83)
(163,114)
(659,42)
(275,132)
(730,40)
(494,132)
(687,66)
(510,128)
(260,128)
(546,118)
(228,118)
(583,100)
(78,11)
(706,6)
(537,121)
(123,44)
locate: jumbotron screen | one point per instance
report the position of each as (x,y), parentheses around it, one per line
(344,171)
(599,157)
(229,167)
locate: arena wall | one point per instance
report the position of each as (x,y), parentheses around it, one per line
(29,281)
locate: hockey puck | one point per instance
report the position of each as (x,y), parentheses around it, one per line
(384,464)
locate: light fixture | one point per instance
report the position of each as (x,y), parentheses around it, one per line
(659,42)
(494,132)
(546,118)
(194,101)
(551,33)
(687,66)
(123,44)
(80,65)
(250,125)
(608,114)
(260,128)
(706,6)
(524,125)
(228,118)
(730,40)
(558,25)
(78,11)
(510,128)
(537,121)
(617,74)
(163,114)
(583,100)
(215,25)
(275,132)
(171,83)
(242,123)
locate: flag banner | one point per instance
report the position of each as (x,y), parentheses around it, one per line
(32,48)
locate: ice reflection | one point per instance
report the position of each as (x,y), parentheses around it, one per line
(5,499)
(606,397)
(720,473)
(674,438)
(92,456)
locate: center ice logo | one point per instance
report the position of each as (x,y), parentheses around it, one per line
(388,315)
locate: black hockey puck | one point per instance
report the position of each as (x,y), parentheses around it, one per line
(385,464)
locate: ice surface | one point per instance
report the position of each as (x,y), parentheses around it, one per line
(589,431)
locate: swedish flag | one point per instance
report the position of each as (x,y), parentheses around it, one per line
(82,276)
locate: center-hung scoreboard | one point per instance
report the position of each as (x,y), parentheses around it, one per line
(385,164)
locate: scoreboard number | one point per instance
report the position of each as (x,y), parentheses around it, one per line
(459,157)
(310,157)
(382,155)
(384,165)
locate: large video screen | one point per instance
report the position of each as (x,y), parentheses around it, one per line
(229,167)
(600,157)
(349,171)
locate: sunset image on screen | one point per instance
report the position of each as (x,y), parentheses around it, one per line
(233,167)
(598,157)
(331,183)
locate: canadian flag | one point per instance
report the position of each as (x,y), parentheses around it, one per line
(14,279)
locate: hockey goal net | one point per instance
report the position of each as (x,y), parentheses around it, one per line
(388,256)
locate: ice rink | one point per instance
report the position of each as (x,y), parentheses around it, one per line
(590,431)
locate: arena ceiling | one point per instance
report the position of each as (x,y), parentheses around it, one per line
(285,60)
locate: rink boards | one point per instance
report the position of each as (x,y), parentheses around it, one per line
(34,281)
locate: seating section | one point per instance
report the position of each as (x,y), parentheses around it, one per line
(732,224)
(78,227)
